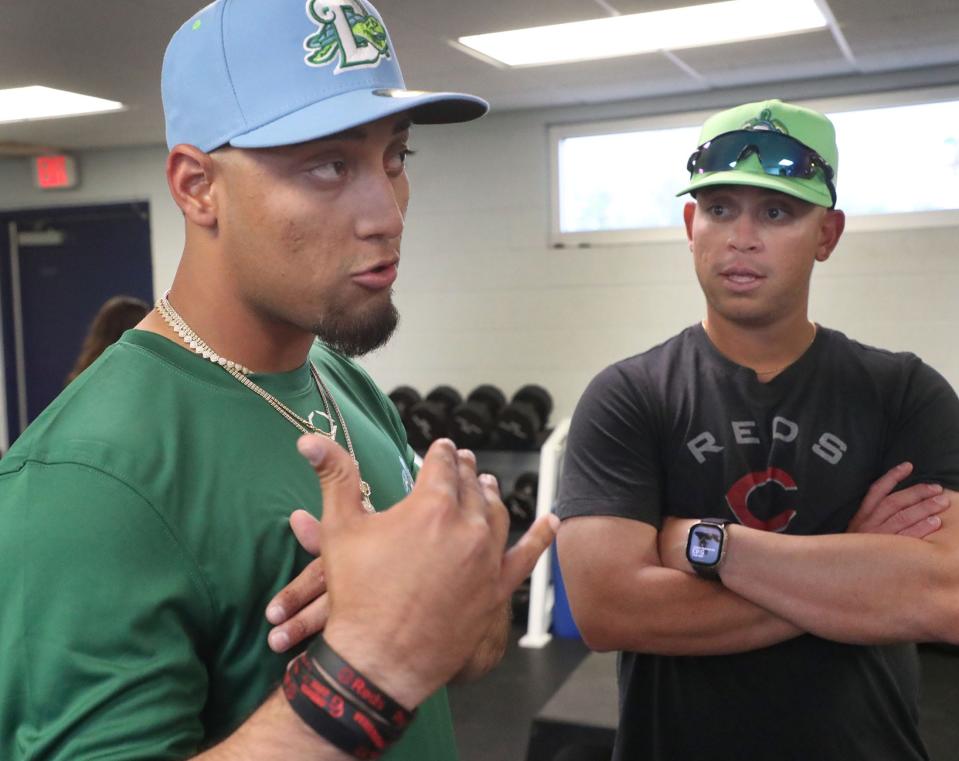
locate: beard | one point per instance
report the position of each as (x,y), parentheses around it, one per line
(354,335)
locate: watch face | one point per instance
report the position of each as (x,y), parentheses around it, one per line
(705,545)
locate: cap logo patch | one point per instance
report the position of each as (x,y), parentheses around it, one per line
(348,33)
(766,122)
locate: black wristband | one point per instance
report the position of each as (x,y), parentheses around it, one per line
(329,714)
(358,688)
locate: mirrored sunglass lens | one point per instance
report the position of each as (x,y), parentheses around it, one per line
(784,157)
(778,154)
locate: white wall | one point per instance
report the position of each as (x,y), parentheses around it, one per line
(484,299)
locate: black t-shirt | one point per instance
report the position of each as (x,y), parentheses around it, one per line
(682,431)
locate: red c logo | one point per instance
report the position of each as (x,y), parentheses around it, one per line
(739,493)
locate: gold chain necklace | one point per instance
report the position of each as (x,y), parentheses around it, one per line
(240,373)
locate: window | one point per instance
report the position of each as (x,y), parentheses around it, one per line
(898,165)
(898,159)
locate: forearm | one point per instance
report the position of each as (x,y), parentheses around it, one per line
(668,612)
(849,587)
(490,650)
(273,733)
(624,599)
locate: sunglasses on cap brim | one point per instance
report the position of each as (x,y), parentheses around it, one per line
(779,155)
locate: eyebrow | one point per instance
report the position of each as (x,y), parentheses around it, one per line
(360,134)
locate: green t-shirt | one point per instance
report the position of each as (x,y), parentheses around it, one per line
(143,529)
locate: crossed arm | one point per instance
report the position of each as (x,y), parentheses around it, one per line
(893,577)
(857,588)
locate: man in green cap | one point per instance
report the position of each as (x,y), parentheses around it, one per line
(756,511)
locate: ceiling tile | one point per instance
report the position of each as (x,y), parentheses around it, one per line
(919,40)
(796,56)
(452,20)
(854,11)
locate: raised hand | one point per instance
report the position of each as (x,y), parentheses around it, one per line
(411,590)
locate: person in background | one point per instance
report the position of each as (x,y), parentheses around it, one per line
(113,319)
(729,516)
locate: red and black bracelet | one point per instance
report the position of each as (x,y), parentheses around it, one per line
(342,709)
(358,688)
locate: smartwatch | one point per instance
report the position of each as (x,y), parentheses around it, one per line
(706,546)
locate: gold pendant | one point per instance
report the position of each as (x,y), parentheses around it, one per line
(316,429)
(365,491)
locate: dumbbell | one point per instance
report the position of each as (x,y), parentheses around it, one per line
(403,398)
(429,418)
(521,502)
(472,422)
(521,421)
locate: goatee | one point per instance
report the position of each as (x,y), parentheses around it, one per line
(356,335)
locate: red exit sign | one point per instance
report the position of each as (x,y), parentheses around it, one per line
(55,172)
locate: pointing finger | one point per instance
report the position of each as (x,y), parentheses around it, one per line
(519,560)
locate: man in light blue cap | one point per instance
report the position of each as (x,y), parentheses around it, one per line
(760,512)
(145,540)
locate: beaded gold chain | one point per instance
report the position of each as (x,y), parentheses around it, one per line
(241,373)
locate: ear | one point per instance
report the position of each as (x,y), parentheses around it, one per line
(189,174)
(833,224)
(689,211)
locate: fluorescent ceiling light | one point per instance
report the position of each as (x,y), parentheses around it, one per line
(22,104)
(693,26)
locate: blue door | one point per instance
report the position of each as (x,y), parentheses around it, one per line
(57,267)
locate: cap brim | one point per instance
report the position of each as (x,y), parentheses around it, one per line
(351,109)
(812,191)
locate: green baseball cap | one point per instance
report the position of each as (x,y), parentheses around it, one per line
(809,127)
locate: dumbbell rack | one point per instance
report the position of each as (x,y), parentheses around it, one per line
(507,464)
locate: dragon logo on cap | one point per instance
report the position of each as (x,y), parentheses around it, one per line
(348,33)
(766,122)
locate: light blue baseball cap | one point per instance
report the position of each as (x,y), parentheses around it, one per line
(263,73)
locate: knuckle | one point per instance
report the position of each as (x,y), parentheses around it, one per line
(297,629)
(901,519)
(442,492)
(315,573)
(288,599)
(915,530)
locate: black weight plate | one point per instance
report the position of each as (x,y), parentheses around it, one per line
(538,397)
(517,427)
(489,396)
(470,425)
(427,422)
(527,483)
(447,396)
(403,398)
